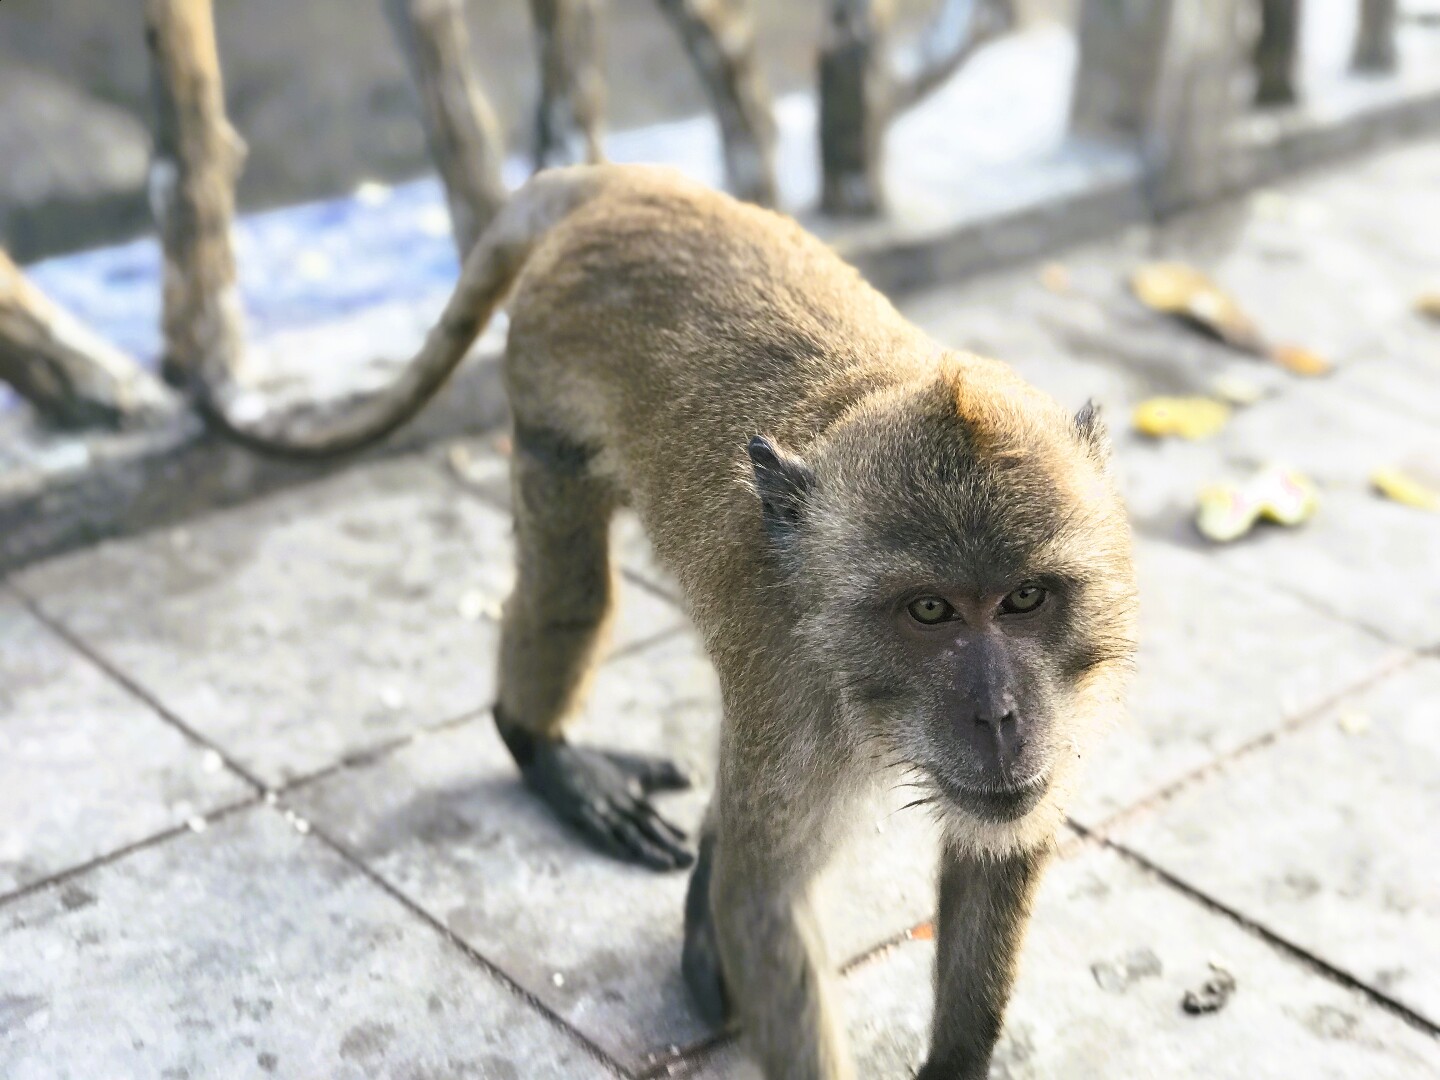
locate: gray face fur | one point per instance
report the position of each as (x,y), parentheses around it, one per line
(989,700)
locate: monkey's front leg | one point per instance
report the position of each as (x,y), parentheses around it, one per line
(777,977)
(985,904)
(750,907)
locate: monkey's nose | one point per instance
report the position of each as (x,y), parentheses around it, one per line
(1001,733)
(995,719)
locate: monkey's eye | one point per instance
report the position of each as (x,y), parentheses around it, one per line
(931,610)
(1025,598)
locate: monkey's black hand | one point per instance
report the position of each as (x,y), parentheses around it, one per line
(603,794)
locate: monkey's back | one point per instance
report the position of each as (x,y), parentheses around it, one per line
(662,325)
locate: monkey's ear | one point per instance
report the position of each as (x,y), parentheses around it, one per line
(1091,430)
(783,482)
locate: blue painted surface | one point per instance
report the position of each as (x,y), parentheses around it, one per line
(321,263)
(299,265)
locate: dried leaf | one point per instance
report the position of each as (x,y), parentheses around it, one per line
(1300,360)
(1055,277)
(1188,417)
(1274,493)
(1184,292)
(1236,389)
(1354,722)
(924,932)
(1405,489)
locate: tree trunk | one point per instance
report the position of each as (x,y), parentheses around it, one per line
(572,82)
(1165,77)
(719,36)
(861,90)
(460,127)
(1375,39)
(1276,52)
(192,192)
(854,107)
(71,375)
(1199,96)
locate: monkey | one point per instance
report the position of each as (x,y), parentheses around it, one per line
(903,560)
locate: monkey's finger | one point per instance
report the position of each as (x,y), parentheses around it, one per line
(644,848)
(662,832)
(597,829)
(652,773)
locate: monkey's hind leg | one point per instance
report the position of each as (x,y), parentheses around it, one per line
(700,960)
(551,634)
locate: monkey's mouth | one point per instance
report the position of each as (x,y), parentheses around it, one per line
(996,802)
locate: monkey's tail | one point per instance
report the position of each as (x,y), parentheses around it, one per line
(485,279)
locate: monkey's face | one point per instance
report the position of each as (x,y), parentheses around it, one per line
(972,598)
(979,713)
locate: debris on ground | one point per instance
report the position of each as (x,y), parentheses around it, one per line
(1354,722)
(1055,277)
(458,457)
(1186,417)
(1275,493)
(1300,360)
(1117,976)
(1214,994)
(472,605)
(1404,487)
(1186,293)
(476,468)
(1236,389)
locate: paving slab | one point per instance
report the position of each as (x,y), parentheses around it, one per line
(1381,407)
(1321,263)
(315,624)
(1405,374)
(252,951)
(446,822)
(1110,955)
(1325,838)
(85,767)
(1370,560)
(1222,661)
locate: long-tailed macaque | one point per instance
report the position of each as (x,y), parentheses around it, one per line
(900,558)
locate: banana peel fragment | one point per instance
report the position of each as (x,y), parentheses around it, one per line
(1275,493)
(1406,489)
(1186,417)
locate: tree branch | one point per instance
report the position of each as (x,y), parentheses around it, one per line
(719,36)
(1276,52)
(72,376)
(192,192)
(461,129)
(959,30)
(854,108)
(1375,38)
(572,82)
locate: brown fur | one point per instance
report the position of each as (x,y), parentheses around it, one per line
(656,328)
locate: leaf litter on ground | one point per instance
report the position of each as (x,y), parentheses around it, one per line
(1188,294)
